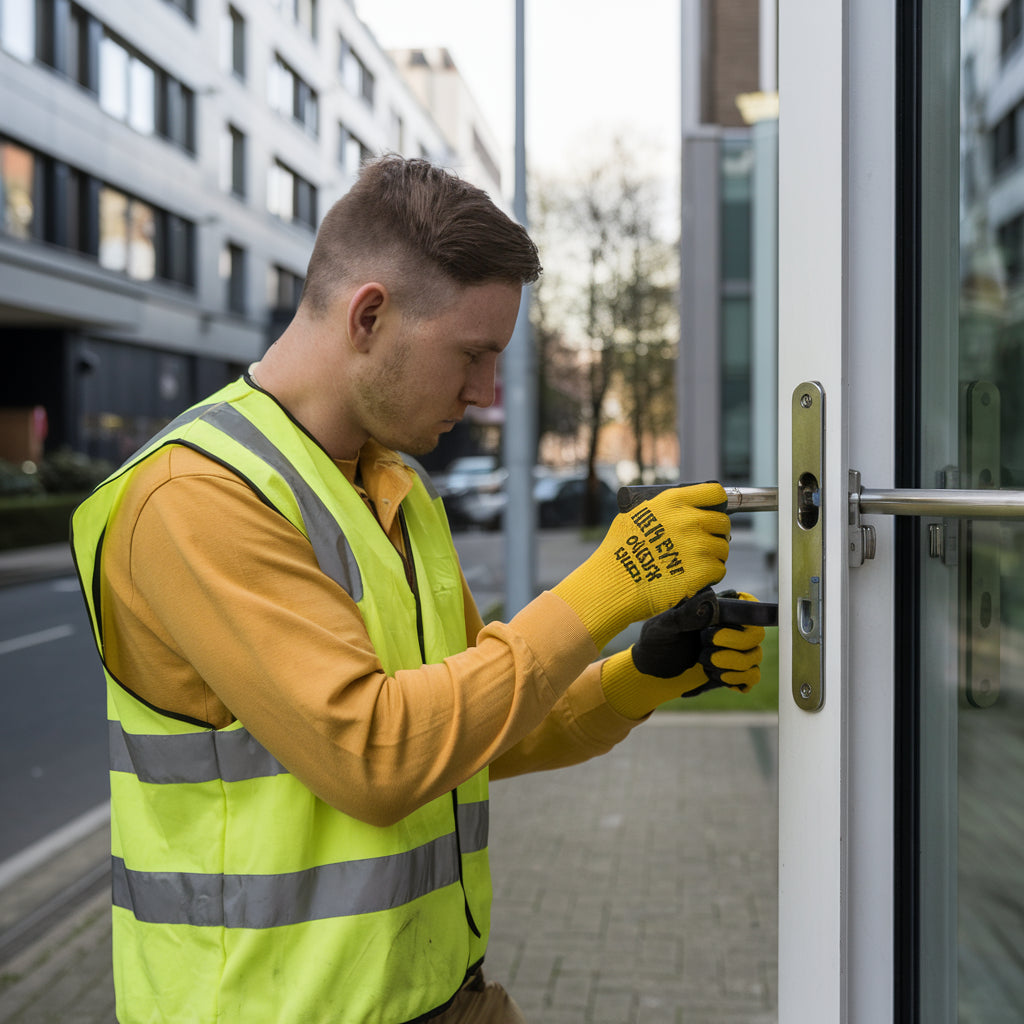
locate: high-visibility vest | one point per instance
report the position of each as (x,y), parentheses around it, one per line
(238,894)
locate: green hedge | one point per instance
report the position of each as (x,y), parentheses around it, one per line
(36,519)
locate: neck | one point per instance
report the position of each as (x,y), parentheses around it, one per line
(300,379)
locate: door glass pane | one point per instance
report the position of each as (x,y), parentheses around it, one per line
(990,719)
(972,620)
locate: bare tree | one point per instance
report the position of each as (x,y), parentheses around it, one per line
(647,320)
(610,289)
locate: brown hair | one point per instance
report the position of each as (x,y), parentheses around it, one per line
(421,226)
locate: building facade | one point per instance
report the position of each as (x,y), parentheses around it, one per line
(163,167)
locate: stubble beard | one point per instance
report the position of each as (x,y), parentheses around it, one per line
(389,407)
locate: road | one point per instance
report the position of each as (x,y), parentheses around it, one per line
(53,736)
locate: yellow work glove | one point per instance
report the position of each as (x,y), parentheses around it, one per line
(668,662)
(652,557)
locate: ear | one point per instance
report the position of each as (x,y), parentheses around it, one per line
(364,311)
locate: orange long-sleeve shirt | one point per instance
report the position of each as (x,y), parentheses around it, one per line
(214,608)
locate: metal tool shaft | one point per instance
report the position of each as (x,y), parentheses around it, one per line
(745,499)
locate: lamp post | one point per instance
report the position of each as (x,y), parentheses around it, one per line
(520,384)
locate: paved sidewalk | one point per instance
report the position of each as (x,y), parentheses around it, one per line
(639,888)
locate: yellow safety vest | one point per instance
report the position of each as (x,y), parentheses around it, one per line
(238,895)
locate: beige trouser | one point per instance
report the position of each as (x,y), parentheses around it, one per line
(480,1002)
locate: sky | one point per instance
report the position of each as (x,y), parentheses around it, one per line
(594,69)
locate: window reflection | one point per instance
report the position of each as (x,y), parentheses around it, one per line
(142,97)
(113,250)
(114,78)
(17,28)
(990,732)
(141,241)
(17,173)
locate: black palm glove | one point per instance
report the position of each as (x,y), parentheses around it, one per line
(707,658)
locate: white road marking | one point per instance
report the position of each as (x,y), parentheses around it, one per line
(44,636)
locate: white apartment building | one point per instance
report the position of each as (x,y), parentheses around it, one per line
(163,167)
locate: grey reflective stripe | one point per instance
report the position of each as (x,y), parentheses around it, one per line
(233,756)
(422,474)
(188,416)
(474,823)
(333,552)
(269,901)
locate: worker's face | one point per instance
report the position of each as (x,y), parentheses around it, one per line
(428,370)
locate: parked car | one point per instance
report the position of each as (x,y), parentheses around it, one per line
(560,500)
(473,491)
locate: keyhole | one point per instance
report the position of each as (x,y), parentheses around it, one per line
(808,501)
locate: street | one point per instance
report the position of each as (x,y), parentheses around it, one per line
(53,740)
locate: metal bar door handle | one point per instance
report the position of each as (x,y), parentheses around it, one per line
(908,501)
(963,504)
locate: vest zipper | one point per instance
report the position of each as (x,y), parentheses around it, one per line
(410,573)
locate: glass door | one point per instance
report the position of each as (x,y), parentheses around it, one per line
(971,707)
(901,376)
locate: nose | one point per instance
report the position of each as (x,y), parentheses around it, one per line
(479,387)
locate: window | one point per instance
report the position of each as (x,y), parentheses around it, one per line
(71,203)
(18,191)
(1011,246)
(284,289)
(356,77)
(151,101)
(114,78)
(302,12)
(141,96)
(232,273)
(233,161)
(1011,24)
(18,28)
(79,65)
(290,95)
(176,113)
(177,261)
(143,241)
(128,235)
(1004,143)
(234,43)
(290,196)
(44,198)
(352,152)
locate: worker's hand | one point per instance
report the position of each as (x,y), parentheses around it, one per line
(668,662)
(652,557)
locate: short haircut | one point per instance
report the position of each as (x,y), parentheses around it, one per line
(419,228)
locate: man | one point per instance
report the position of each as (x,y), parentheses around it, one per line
(304,704)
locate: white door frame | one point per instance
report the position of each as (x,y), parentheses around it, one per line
(836,327)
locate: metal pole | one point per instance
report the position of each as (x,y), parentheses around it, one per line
(520,382)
